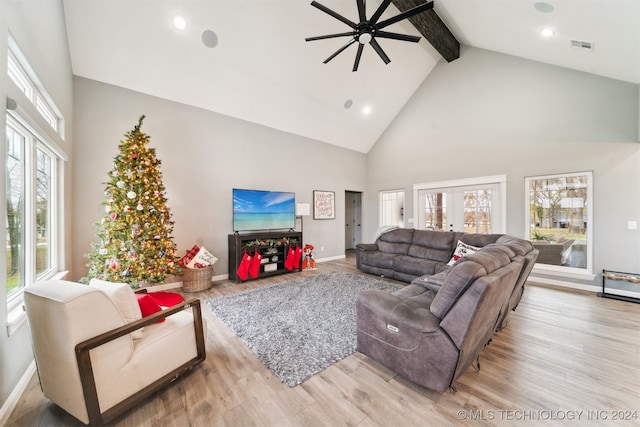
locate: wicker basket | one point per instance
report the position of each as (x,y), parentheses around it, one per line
(197,279)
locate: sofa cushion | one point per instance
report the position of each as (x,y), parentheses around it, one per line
(414,266)
(433,282)
(519,246)
(396,241)
(378,259)
(478,239)
(465,272)
(433,245)
(124,299)
(504,248)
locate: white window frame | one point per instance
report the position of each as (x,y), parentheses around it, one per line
(559,270)
(32,144)
(26,80)
(382,207)
(38,118)
(500,210)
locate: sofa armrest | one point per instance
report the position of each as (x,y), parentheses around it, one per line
(363,247)
(83,357)
(433,282)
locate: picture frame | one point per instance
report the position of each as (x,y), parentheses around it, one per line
(324,204)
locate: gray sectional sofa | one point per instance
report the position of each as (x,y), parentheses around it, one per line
(432,330)
(405,253)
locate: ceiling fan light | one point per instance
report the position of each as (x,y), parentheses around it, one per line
(364,38)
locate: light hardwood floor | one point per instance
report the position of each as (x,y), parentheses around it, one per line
(565,358)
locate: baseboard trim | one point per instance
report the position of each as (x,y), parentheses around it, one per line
(563,284)
(16,394)
(332,258)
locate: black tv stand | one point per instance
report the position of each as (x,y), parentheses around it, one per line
(272,245)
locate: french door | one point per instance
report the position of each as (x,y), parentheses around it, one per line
(473,206)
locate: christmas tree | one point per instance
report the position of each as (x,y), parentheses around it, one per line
(135,245)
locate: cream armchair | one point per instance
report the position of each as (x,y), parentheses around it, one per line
(92,360)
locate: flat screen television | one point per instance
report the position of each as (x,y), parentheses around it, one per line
(255,210)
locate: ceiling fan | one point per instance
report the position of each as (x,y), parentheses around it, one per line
(366,31)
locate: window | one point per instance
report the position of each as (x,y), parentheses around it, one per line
(559,220)
(392,208)
(15,211)
(31,87)
(33,168)
(477,211)
(30,177)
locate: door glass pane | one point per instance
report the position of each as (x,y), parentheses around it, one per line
(558,219)
(43,212)
(392,208)
(435,211)
(477,211)
(14,221)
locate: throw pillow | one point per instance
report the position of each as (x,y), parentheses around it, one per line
(191,253)
(148,305)
(201,259)
(123,298)
(462,249)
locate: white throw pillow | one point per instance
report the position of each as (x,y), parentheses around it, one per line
(462,249)
(124,298)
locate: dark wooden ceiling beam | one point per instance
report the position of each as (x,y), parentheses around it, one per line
(433,29)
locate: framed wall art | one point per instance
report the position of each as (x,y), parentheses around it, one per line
(324,204)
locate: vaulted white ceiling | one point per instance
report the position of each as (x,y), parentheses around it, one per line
(263,71)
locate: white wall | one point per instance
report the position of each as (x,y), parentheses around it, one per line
(488,114)
(38,27)
(204,155)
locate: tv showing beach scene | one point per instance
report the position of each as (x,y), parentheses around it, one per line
(255,210)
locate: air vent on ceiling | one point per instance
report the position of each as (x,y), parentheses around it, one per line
(582,45)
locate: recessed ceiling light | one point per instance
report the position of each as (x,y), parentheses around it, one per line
(547,32)
(366,110)
(179,22)
(543,7)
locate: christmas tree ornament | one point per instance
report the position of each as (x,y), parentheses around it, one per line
(131,195)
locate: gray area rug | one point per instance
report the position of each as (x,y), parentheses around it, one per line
(300,327)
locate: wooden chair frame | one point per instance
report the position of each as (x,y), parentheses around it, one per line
(83,357)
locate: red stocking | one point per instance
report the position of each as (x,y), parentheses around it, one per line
(297,258)
(243,268)
(254,269)
(288,262)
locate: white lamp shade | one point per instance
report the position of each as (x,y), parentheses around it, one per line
(303,209)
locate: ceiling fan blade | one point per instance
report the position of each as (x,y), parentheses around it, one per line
(329,36)
(406,14)
(334,14)
(374,44)
(397,36)
(358,55)
(337,52)
(376,15)
(361,10)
